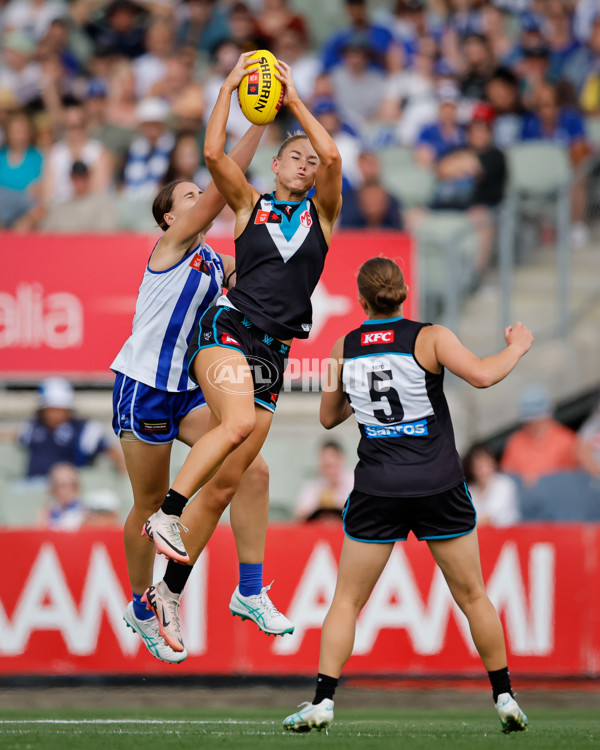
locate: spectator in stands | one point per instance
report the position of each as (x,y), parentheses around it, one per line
(494,495)
(116,138)
(357,86)
(409,97)
(542,445)
(148,157)
(274,19)
(495,30)
(444,135)
(32,17)
(75,146)
(203,24)
(86,211)
(243,29)
(20,170)
(151,67)
(558,31)
(370,206)
(223,58)
(410,26)
(57,42)
(564,126)
(588,444)
(102,508)
(379,37)
(121,108)
(479,64)
(291,47)
(324,497)
(502,94)
(64,510)
(120,30)
(185,160)
(56,435)
(19,73)
(587,73)
(327,113)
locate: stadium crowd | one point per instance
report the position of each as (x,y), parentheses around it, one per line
(102,101)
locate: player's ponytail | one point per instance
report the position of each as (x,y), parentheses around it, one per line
(381,283)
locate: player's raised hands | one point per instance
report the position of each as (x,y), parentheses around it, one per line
(284,74)
(243,67)
(519,336)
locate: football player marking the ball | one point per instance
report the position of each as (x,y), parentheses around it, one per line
(155,402)
(390,373)
(281,242)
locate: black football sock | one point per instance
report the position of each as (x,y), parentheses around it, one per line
(174,503)
(176,576)
(500,680)
(325,688)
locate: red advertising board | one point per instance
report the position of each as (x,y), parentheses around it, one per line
(67,302)
(61,607)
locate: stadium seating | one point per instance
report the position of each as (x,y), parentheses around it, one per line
(447,246)
(411,184)
(566,496)
(538,168)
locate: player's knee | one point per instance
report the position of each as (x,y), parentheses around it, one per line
(239,430)
(258,474)
(220,497)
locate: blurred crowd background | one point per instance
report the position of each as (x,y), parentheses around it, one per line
(472,124)
(101,102)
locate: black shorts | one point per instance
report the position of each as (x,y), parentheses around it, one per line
(267,357)
(369,518)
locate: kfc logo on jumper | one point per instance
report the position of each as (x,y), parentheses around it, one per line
(199,264)
(306,219)
(227,339)
(378,337)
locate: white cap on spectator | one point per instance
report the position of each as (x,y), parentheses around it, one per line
(535,403)
(56,393)
(152,109)
(102,500)
(448,92)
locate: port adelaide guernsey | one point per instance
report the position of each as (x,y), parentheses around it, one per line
(279,259)
(407,446)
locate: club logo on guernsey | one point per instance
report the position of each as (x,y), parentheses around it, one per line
(377,337)
(408,429)
(306,219)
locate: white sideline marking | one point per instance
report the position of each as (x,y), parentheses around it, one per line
(128,721)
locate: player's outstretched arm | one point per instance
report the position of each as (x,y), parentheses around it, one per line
(229,179)
(484,372)
(179,235)
(335,407)
(328,182)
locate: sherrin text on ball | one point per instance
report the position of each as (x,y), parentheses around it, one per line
(260,93)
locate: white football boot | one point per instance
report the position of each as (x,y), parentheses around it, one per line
(165,605)
(163,530)
(310,717)
(511,716)
(261,610)
(149,633)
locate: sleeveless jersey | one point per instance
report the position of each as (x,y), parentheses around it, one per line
(407,444)
(279,258)
(168,306)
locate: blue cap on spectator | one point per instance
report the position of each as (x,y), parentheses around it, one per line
(530,22)
(97,89)
(443,68)
(324,107)
(535,403)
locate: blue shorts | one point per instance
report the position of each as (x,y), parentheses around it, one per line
(152,415)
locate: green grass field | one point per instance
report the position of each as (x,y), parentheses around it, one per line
(252,729)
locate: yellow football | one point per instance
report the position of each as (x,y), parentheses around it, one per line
(260,93)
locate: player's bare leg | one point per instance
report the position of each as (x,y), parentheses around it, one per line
(459,561)
(361,564)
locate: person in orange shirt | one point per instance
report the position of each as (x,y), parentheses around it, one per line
(543,445)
